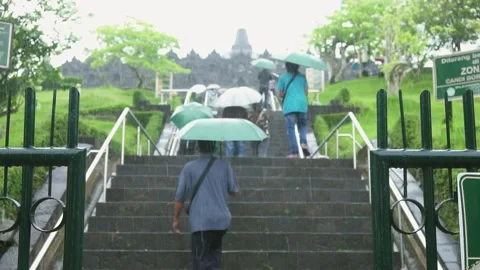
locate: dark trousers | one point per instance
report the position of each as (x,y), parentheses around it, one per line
(207,250)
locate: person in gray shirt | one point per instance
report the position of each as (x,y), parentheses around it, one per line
(209,216)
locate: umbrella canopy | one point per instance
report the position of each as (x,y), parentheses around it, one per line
(198,88)
(187,113)
(238,96)
(263,63)
(221,129)
(213,86)
(302,59)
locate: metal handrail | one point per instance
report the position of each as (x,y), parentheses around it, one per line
(356,127)
(103,151)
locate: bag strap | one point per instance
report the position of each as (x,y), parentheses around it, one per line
(286,88)
(200,180)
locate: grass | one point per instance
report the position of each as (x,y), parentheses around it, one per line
(104,102)
(363,94)
(90,100)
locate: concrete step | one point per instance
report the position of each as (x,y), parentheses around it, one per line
(247,195)
(257,171)
(242,209)
(244,161)
(232,260)
(231,241)
(239,224)
(245,182)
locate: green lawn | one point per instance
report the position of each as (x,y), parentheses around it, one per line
(104,102)
(90,100)
(363,94)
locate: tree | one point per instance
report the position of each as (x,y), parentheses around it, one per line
(350,32)
(377,27)
(450,22)
(330,38)
(33,41)
(139,46)
(405,43)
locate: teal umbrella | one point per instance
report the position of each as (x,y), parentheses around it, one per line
(264,63)
(221,129)
(302,59)
(192,111)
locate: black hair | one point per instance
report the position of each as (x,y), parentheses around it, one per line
(206,147)
(291,67)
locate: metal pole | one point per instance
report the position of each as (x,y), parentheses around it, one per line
(75,206)
(354,146)
(105,174)
(27,183)
(337,142)
(138,141)
(402,247)
(122,156)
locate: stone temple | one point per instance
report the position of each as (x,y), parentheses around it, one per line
(227,71)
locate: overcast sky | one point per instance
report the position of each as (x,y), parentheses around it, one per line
(208,24)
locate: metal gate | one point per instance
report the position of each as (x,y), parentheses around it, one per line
(427,159)
(29,157)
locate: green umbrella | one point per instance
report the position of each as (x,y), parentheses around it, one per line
(192,111)
(264,63)
(221,129)
(302,59)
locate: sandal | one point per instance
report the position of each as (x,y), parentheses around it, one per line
(305,150)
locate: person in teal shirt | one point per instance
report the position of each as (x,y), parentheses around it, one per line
(293,89)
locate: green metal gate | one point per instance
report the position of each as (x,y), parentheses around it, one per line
(29,157)
(427,158)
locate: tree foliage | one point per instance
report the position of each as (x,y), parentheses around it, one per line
(450,22)
(404,32)
(139,46)
(33,40)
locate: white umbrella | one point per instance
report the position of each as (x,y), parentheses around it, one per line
(213,86)
(198,88)
(238,96)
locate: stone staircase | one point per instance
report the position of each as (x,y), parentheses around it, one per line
(290,214)
(279,146)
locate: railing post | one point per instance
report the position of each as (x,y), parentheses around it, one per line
(354,146)
(272,101)
(138,141)
(105,174)
(75,208)
(27,183)
(297,138)
(148,147)
(428,183)
(381,228)
(337,139)
(122,156)
(369,178)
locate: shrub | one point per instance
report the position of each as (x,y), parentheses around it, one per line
(113,110)
(412,130)
(138,97)
(333,119)
(343,96)
(142,116)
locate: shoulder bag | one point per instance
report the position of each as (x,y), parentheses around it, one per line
(286,88)
(199,182)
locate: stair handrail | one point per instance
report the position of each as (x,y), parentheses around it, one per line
(103,151)
(356,126)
